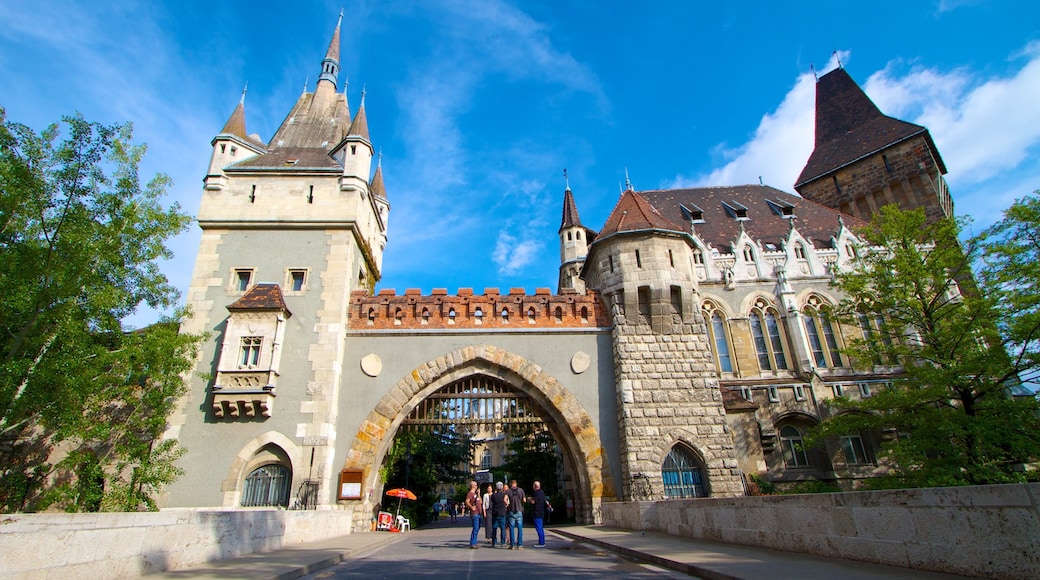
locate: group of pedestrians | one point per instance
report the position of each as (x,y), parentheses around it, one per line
(499,509)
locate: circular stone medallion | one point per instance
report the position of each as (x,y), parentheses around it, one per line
(372,365)
(580,362)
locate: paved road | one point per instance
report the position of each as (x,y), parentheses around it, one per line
(442,551)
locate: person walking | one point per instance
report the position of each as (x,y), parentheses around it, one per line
(476,510)
(499,507)
(487,505)
(517,499)
(542,508)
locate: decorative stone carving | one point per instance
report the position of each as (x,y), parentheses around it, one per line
(372,365)
(580,362)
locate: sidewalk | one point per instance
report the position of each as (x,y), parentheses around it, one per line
(703,559)
(717,561)
(292,561)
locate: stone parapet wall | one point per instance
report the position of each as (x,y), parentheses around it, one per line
(988,531)
(440,310)
(130,545)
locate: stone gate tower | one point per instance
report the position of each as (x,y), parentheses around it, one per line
(666,385)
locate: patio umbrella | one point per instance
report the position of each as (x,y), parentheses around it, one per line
(400,493)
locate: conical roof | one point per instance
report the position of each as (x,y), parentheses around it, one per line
(359,127)
(236,123)
(376,188)
(632,213)
(570,211)
(849,126)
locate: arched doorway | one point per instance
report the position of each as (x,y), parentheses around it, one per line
(556,407)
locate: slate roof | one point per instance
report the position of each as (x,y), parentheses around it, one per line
(307,134)
(764,207)
(376,187)
(261,297)
(291,158)
(849,126)
(570,211)
(359,126)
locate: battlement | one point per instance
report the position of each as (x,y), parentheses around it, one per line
(492,309)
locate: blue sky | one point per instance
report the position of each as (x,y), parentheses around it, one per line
(479,106)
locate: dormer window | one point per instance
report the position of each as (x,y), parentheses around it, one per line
(735,210)
(291,162)
(692,213)
(781,208)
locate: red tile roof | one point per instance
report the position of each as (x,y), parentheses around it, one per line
(633,213)
(261,297)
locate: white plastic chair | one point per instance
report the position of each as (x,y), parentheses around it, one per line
(403,523)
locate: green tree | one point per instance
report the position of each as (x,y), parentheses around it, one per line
(960,351)
(422,460)
(533,456)
(80,237)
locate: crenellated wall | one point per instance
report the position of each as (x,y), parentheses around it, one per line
(492,309)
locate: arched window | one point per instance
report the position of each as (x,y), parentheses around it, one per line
(823,340)
(530,315)
(478,316)
(767,332)
(267,486)
(584,314)
(793,447)
(682,474)
(425,316)
(718,331)
(558,314)
(799,251)
(749,253)
(505,315)
(451,316)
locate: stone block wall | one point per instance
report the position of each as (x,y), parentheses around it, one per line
(988,531)
(130,545)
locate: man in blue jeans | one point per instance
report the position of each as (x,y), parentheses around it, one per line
(541,510)
(515,516)
(476,510)
(499,509)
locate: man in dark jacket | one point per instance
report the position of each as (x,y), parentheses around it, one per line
(515,518)
(499,506)
(542,507)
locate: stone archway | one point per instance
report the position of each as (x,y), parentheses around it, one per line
(578,437)
(232,484)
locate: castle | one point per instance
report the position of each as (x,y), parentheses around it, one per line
(687,348)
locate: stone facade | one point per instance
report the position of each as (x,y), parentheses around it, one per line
(687,349)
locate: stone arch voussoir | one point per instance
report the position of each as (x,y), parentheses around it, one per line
(580,437)
(232,484)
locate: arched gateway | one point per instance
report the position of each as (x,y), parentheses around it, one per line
(569,422)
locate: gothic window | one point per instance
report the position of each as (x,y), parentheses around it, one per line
(823,340)
(718,331)
(698,256)
(568,236)
(793,446)
(799,251)
(451,316)
(558,314)
(251,351)
(584,314)
(425,316)
(267,486)
(577,235)
(505,315)
(749,253)
(485,459)
(398,315)
(371,316)
(878,337)
(530,315)
(682,474)
(767,333)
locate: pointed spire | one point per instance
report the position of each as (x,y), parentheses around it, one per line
(360,125)
(570,211)
(244,89)
(236,123)
(330,64)
(628,182)
(566,180)
(377,188)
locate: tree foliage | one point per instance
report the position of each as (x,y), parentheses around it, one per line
(83,401)
(422,460)
(961,346)
(533,457)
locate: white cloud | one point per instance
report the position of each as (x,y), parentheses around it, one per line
(512,255)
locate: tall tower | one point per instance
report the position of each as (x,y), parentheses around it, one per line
(574,245)
(864,160)
(290,228)
(666,385)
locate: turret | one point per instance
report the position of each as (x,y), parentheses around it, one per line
(230,146)
(356,153)
(574,245)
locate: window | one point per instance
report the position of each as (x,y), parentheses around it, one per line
(865,390)
(823,341)
(698,256)
(451,316)
(242,279)
(478,316)
(774,394)
(611,259)
(371,316)
(671,258)
(854,450)
(251,351)
(839,390)
(296,280)
(530,315)
(584,314)
(267,486)
(745,392)
(767,335)
(799,251)
(799,392)
(681,473)
(425,316)
(485,459)
(793,447)
(639,261)
(749,253)
(718,331)
(558,314)
(505,315)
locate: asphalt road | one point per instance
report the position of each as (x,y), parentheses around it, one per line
(442,551)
